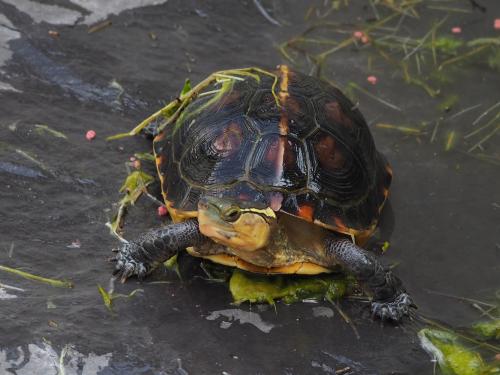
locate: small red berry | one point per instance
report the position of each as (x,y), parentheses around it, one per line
(358,34)
(90,135)
(365,39)
(372,79)
(162,211)
(496,25)
(456,30)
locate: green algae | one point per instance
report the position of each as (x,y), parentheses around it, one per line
(288,288)
(448,45)
(452,356)
(488,330)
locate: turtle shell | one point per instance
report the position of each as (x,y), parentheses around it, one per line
(305,150)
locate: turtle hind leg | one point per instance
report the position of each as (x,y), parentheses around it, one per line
(390,300)
(139,257)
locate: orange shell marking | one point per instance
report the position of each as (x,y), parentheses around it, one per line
(306,212)
(283,96)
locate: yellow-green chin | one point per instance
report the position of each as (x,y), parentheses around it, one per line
(246,229)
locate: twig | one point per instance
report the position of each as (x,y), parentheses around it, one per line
(110,226)
(485,113)
(153,198)
(26,275)
(5,286)
(264,12)
(100,26)
(465,299)
(462,57)
(403,129)
(434,132)
(351,40)
(426,36)
(485,312)
(449,9)
(488,136)
(497,116)
(346,318)
(450,140)
(367,93)
(463,111)
(375,11)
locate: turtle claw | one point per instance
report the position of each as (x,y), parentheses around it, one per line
(127,265)
(394,310)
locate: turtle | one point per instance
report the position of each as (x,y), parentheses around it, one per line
(272,172)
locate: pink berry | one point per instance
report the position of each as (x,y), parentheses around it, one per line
(365,39)
(372,79)
(358,34)
(162,211)
(90,135)
(136,164)
(456,30)
(496,25)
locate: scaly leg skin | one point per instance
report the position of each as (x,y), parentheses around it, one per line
(390,300)
(139,257)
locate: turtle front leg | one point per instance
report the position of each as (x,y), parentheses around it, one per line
(390,300)
(139,257)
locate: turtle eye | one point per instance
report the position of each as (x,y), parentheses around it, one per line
(232,214)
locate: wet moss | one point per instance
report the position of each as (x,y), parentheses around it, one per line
(488,330)
(454,358)
(267,289)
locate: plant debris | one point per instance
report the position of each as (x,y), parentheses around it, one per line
(109,297)
(431,61)
(256,288)
(30,276)
(452,356)
(40,129)
(134,186)
(488,329)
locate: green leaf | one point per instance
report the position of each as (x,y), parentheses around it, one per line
(187,87)
(106,297)
(134,186)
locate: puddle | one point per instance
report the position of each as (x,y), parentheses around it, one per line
(242,317)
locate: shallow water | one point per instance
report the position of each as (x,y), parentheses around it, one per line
(53,208)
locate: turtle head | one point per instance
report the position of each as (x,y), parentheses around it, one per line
(237,224)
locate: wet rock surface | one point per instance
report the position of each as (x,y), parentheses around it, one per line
(55,192)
